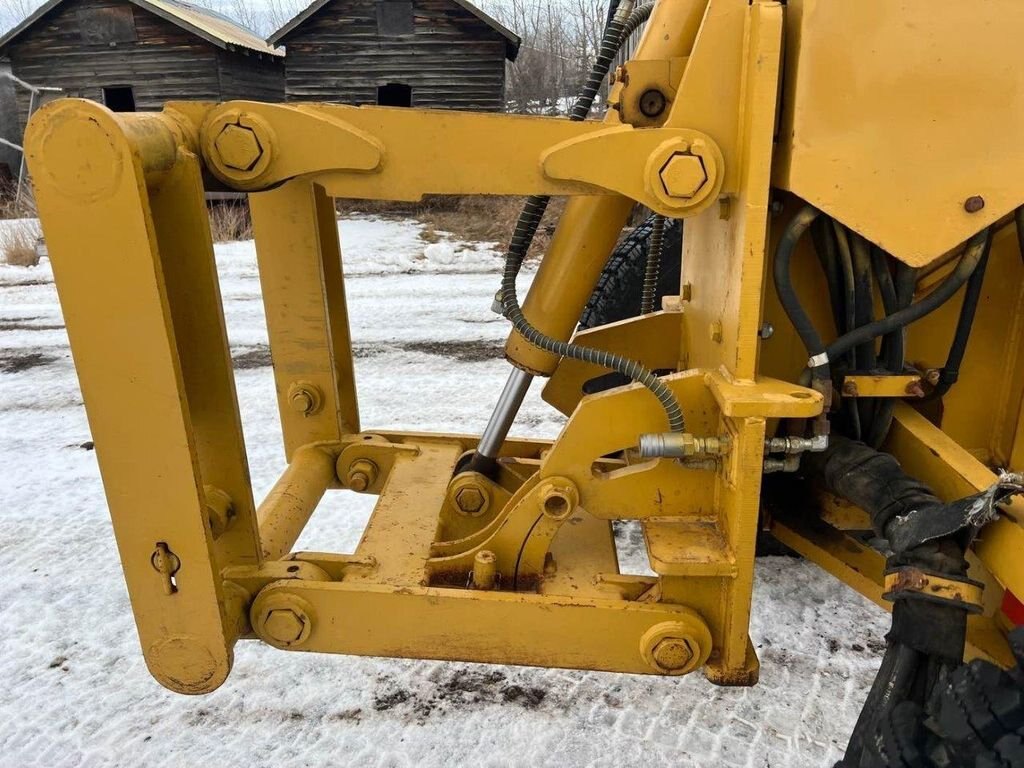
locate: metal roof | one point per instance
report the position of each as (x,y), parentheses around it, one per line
(512,40)
(209,25)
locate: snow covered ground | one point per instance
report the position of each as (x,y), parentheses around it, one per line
(77,692)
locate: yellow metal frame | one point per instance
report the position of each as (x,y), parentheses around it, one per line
(520,568)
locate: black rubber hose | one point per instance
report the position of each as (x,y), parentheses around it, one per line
(787,295)
(1019,217)
(826,249)
(893,346)
(864,301)
(972,295)
(964,269)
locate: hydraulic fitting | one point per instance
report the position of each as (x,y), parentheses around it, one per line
(794,445)
(681,445)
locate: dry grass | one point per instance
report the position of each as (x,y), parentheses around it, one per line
(18,244)
(472,218)
(13,208)
(230,221)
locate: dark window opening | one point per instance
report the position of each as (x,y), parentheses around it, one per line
(119,98)
(394,17)
(394,95)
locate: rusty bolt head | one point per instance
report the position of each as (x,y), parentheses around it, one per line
(974,203)
(361,474)
(672,653)
(238,147)
(285,626)
(683,175)
(469,500)
(850,388)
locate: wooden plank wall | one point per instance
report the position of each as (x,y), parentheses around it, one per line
(452,60)
(164,63)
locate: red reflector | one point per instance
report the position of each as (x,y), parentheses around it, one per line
(1013,608)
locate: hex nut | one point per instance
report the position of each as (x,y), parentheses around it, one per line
(238,147)
(469,500)
(305,398)
(683,175)
(284,625)
(362,473)
(673,653)
(677,647)
(284,620)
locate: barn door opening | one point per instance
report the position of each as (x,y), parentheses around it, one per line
(394,95)
(119,98)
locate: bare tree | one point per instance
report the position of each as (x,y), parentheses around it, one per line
(561,38)
(13,12)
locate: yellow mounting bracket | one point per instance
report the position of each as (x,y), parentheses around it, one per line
(254,146)
(682,176)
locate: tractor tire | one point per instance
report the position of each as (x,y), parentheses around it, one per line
(620,287)
(975,720)
(979,718)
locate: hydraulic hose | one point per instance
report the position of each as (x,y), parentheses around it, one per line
(653,265)
(951,370)
(639,15)
(939,296)
(787,295)
(826,249)
(1018,216)
(526,228)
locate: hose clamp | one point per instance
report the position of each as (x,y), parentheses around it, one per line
(908,582)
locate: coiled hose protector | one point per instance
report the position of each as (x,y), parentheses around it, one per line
(653,265)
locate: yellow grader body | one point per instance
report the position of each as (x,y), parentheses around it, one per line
(899,121)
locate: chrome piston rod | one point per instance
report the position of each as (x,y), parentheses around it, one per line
(504,413)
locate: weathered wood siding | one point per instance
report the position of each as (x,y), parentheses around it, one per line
(248,77)
(10,158)
(452,59)
(163,63)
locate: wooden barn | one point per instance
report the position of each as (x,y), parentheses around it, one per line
(137,54)
(424,53)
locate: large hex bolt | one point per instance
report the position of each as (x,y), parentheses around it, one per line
(673,653)
(284,625)
(469,500)
(677,647)
(469,494)
(238,147)
(683,175)
(281,619)
(362,473)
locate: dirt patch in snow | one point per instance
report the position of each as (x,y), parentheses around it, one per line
(466,688)
(465,351)
(468,351)
(258,357)
(23,326)
(16,362)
